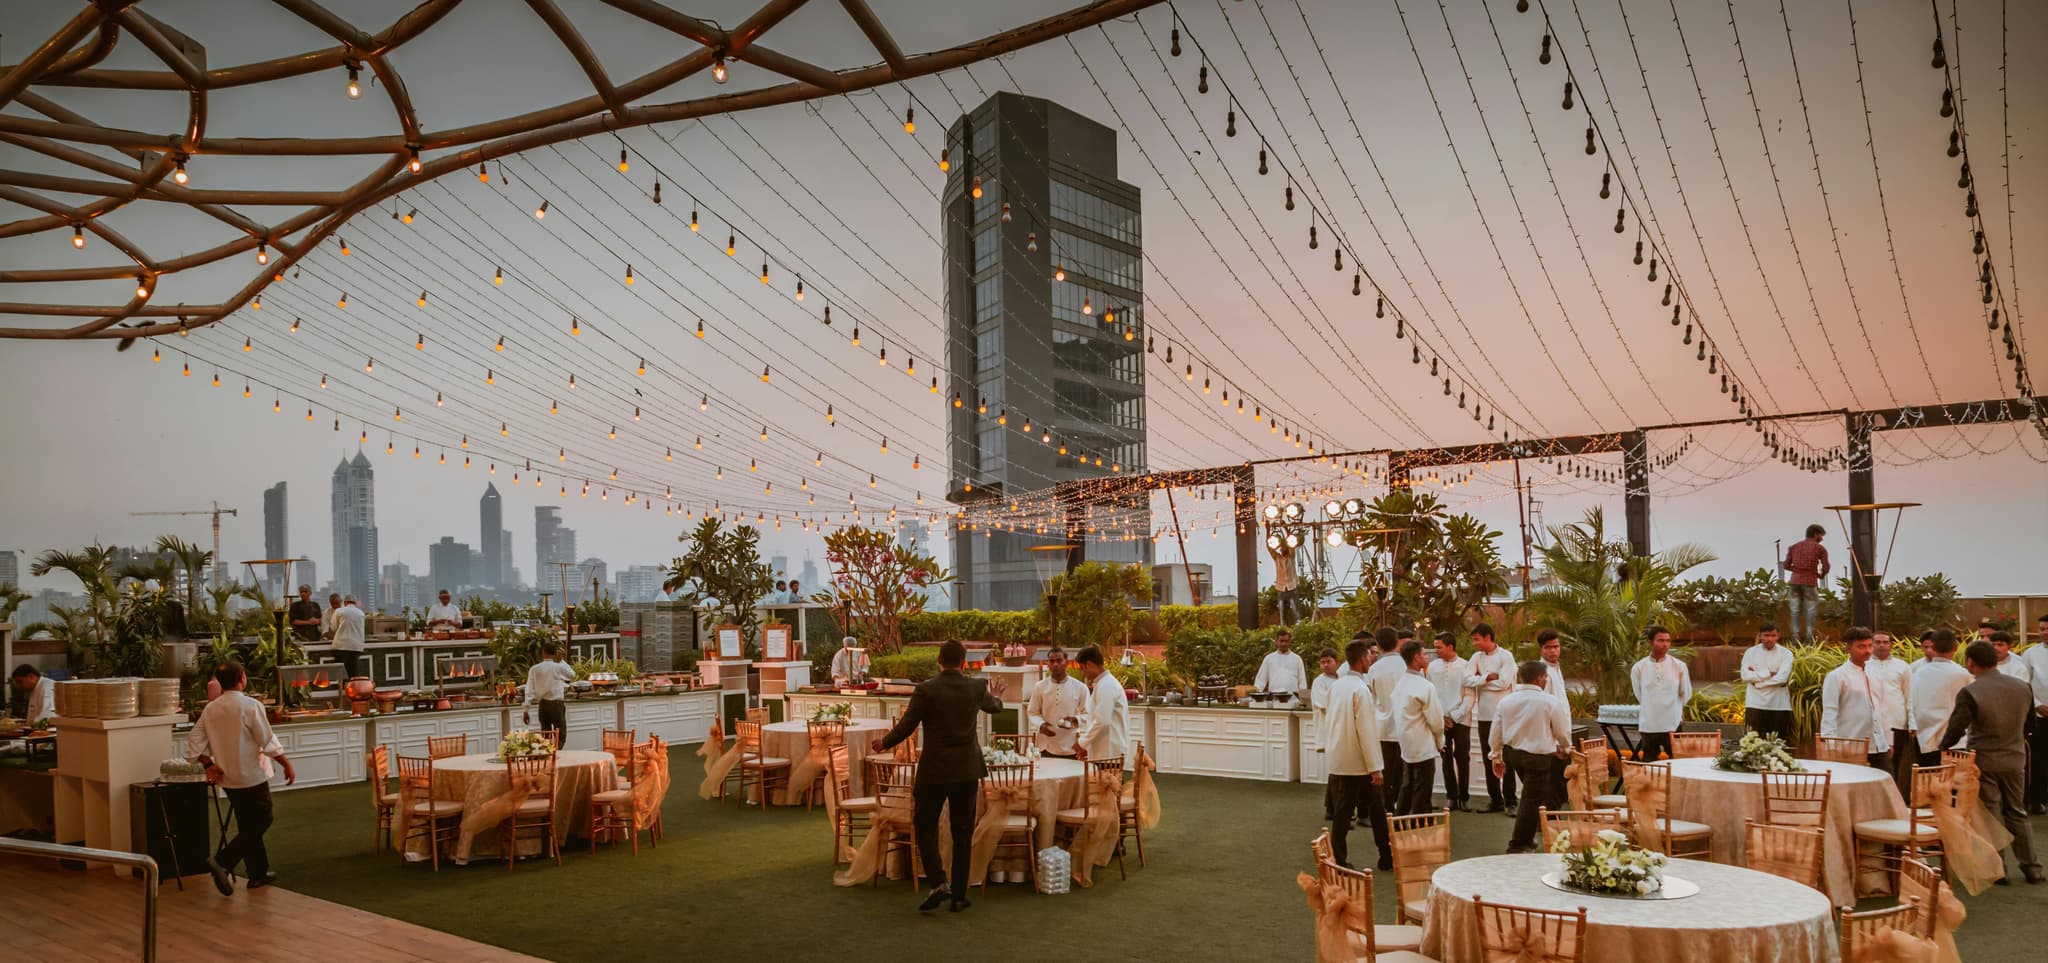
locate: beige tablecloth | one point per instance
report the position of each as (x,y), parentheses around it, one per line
(790,740)
(1738,914)
(471,780)
(1702,794)
(1056,784)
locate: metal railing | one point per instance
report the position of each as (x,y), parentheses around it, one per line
(147,864)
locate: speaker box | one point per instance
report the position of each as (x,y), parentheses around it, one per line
(175,819)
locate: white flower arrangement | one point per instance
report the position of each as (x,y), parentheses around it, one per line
(1610,866)
(1758,753)
(1003,752)
(836,712)
(524,742)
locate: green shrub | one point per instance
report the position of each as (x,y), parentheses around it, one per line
(975,625)
(1174,619)
(915,664)
(1231,653)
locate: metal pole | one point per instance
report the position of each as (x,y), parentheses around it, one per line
(1522,513)
(1186,567)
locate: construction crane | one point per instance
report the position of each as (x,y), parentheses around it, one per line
(216,511)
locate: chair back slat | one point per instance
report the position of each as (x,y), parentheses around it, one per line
(1792,852)
(1583,826)
(1696,745)
(1012,778)
(1422,845)
(1796,798)
(416,776)
(1918,880)
(1855,752)
(443,747)
(1860,931)
(619,742)
(1529,935)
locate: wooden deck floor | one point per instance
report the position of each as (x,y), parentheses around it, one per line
(58,914)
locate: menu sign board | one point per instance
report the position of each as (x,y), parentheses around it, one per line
(775,642)
(729,642)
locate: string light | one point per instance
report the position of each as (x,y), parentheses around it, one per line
(412,162)
(629,275)
(718,68)
(345,252)
(342,302)
(540,213)
(483,172)
(622,160)
(262,252)
(141,286)
(78,236)
(355,88)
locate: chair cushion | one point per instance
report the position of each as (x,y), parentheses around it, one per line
(1392,936)
(387,799)
(1402,956)
(1895,830)
(1609,801)
(1016,821)
(859,804)
(1075,815)
(613,797)
(1682,828)
(1418,907)
(438,807)
(536,807)
(765,762)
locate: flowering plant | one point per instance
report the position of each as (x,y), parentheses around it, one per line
(1758,753)
(1610,865)
(524,742)
(836,712)
(1003,752)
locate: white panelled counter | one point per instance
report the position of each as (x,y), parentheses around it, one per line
(1238,743)
(332,752)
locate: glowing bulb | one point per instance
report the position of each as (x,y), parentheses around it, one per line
(412,162)
(500,347)
(945,159)
(700,328)
(764,374)
(629,274)
(422,302)
(369,365)
(541,212)
(483,173)
(248,345)
(703,404)
(1059,273)
(575,326)
(731,245)
(410,214)
(642,372)
(355,87)
(216,379)
(77,236)
(344,246)
(499,278)
(141,286)
(178,174)
(910,120)
(977,187)
(764,272)
(718,69)
(622,160)
(693,221)
(799,289)
(262,253)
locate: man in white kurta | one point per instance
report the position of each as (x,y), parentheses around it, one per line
(1849,707)
(1058,707)
(42,693)
(1550,648)
(233,740)
(1351,740)
(1282,670)
(1448,673)
(1662,684)
(1936,680)
(1386,670)
(1492,675)
(1319,705)
(1893,678)
(1767,674)
(1419,731)
(1107,732)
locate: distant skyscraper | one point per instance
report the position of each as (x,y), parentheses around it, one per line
(276,543)
(489,540)
(508,574)
(1064,355)
(913,534)
(306,572)
(355,529)
(640,583)
(448,564)
(553,544)
(10,569)
(810,576)
(398,589)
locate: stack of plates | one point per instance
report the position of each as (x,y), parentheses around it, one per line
(159,697)
(118,698)
(83,699)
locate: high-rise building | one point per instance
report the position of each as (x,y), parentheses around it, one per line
(276,543)
(810,578)
(490,541)
(448,564)
(640,583)
(1044,295)
(553,544)
(306,572)
(914,535)
(507,573)
(355,529)
(10,568)
(397,589)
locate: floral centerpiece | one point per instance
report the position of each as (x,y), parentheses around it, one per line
(1610,866)
(1758,753)
(836,712)
(1003,752)
(524,742)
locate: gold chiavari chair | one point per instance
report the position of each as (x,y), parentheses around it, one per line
(1915,835)
(1529,935)
(823,736)
(435,820)
(1862,932)
(619,742)
(1796,798)
(617,809)
(1649,806)
(1855,752)
(852,814)
(536,813)
(1128,825)
(1583,826)
(1378,939)
(1067,823)
(443,747)
(1920,881)
(757,769)
(758,715)
(1020,826)
(386,801)
(893,784)
(1599,776)
(1421,845)
(1797,853)
(1696,745)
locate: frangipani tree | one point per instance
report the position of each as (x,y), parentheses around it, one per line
(1424,566)
(721,573)
(1603,597)
(875,584)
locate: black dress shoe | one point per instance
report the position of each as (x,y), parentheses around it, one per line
(2034,877)
(258,882)
(1491,807)
(932,899)
(221,880)
(1512,808)
(1386,862)
(959,903)
(2001,881)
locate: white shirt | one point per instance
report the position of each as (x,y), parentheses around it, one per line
(1451,694)
(445,613)
(348,629)
(1053,701)
(548,681)
(1499,662)
(1553,679)
(2036,660)
(1419,720)
(1661,690)
(1769,674)
(42,700)
(1893,679)
(235,734)
(1849,709)
(1380,678)
(1108,731)
(2017,668)
(849,662)
(1319,701)
(1935,684)
(1351,737)
(1281,672)
(1531,720)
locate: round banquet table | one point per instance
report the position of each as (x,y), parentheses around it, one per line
(791,740)
(1738,914)
(1056,784)
(1703,794)
(475,779)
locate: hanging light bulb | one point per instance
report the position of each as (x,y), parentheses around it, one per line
(799,288)
(575,326)
(945,159)
(1059,272)
(78,235)
(541,212)
(910,120)
(629,275)
(856,336)
(732,248)
(1087,307)
(704,403)
(483,172)
(412,160)
(718,68)
(355,88)
(764,374)
(977,187)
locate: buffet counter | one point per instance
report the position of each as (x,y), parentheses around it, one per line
(409,663)
(1234,741)
(332,750)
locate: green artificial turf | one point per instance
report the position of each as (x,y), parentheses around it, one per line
(731,880)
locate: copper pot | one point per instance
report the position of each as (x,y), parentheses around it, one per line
(442,704)
(360,687)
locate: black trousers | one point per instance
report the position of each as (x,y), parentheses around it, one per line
(1418,782)
(554,714)
(1391,771)
(1541,776)
(252,820)
(1492,781)
(1457,762)
(1652,746)
(1329,796)
(957,798)
(1356,794)
(1769,722)
(2037,761)
(1904,756)
(351,662)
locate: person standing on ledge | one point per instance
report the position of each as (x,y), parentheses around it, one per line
(1849,701)
(547,685)
(1662,685)
(1767,669)
(950,770)
(233,740)
(1992,710)
(1807,562)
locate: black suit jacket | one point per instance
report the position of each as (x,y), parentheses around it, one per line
(945,705)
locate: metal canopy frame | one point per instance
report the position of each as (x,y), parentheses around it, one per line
(70,58)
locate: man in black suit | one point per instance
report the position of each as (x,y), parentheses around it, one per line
(1992,711)
(950,769)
